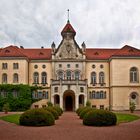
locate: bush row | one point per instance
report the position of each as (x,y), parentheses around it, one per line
(40,117)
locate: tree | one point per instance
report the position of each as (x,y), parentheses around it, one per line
(88,103)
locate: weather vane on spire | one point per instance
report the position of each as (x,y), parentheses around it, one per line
(68,15)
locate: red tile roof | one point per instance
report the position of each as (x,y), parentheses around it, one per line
(11,51)
(127,51)
(68,28)
(37,53)
(99,53)
(91,53)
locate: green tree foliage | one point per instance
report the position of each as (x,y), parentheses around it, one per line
(20,103)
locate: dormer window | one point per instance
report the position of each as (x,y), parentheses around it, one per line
(96,53)
(7,51)
(41,53)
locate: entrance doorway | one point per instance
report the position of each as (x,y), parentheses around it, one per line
(69,101)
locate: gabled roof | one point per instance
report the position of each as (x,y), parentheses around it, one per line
(127,51)
(11,51)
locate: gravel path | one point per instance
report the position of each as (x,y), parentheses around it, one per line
(69,127)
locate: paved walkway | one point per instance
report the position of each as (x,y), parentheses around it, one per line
(69,127)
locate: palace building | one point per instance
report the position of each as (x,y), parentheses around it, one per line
(72,74)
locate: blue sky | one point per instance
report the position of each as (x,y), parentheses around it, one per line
(100,23)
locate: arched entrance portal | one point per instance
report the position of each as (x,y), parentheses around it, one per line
(69,100)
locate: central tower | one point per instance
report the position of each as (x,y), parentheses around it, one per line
(68,71)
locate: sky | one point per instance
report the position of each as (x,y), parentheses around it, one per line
(99,23)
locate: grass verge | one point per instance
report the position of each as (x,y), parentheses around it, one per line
(124,118)
(14,118)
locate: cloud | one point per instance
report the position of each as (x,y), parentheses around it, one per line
(99,23)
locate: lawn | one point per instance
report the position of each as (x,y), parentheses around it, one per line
(14,118)
(123,118)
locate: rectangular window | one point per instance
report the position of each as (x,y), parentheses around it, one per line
(4,66)
(15,66)
(76,65)
(36,106)
(55,89)
(94,106)
(101,106)
(68,65)
(43,106)
(81,89)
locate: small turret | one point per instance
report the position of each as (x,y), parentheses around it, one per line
(83,47)
(53,48)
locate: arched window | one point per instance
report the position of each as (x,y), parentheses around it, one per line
(134,75)
(101,78)
(44,77)
(15,78)
(93,78)
(36,77)
(77,75)
(4,78)
(68,75)
(60,75)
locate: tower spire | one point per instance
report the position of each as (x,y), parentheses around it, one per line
(68,16)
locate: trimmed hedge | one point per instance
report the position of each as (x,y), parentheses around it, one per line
(100,118)
(58,109)
(37,117)
(84,112)
(80,110)
(53,111)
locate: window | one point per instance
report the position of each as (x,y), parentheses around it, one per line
(4,66)
(43,66)
(55,89)
(4,78)
(60,65)
(77,75)
(4,93)
(15,94)
(101,106)
(68,75)
(101,78)
(98,94)
(60,75)
(76,65)
(93,66)
(44,77)
(81,89)
(15,78)
(101,66)
(36,77)
(35,66)
(93,78)
(15,65)
(35,95)
(68,65)
(134,75)
(94,106)
(36,106)
(43,106)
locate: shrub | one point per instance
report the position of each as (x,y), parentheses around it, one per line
(100,118)
(80,110)
(132,107)
(58,109)
(84,112)
(77,111)
(6,108)
(37,117)
(88,104)
(53,111)
(49,103)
